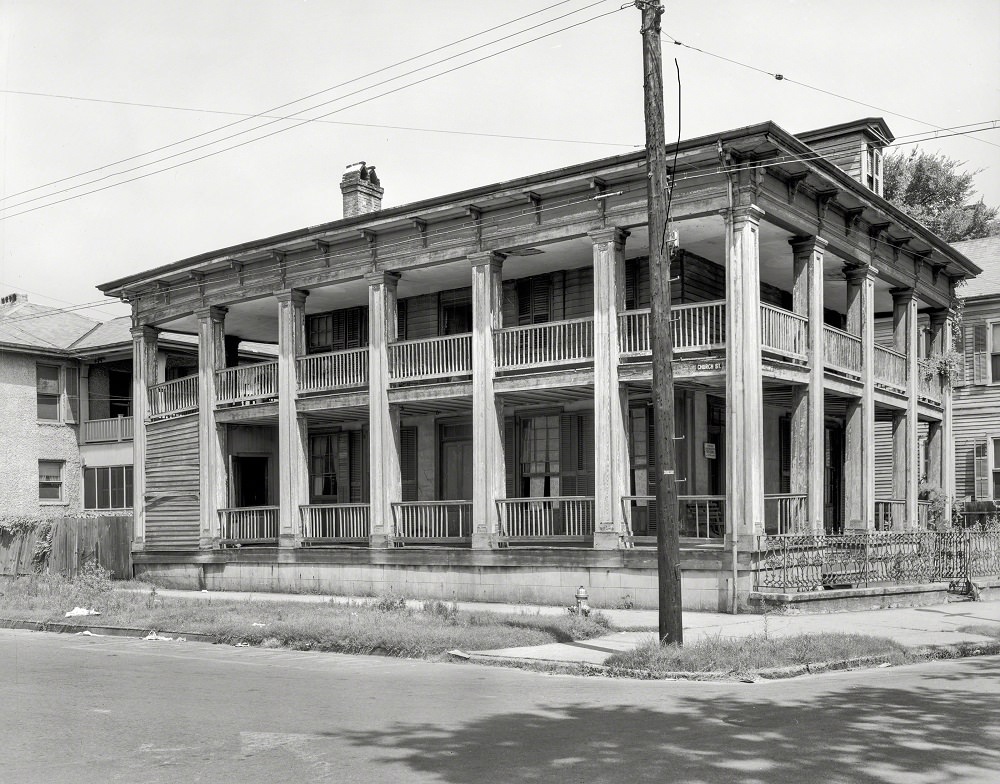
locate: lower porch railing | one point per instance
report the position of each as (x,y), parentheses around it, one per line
(698,516)
(785,513)
(249,525)
(539,518)
(890,514)
(790,563)
(335,523)
(432,520)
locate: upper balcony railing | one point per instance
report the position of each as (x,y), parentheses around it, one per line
(841,351)
(173,397)
(784,332)
(448,356)
(890,367)
(928,381)
(246,383)
(334,370)
(95,431)
(543,345)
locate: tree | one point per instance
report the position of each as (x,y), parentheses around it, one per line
(933,189)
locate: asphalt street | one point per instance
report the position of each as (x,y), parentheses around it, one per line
(100,709)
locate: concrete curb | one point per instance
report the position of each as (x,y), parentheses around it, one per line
(97,629)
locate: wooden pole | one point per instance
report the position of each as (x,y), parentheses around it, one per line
(667,536)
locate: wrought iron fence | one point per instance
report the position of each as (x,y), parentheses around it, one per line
(792,563)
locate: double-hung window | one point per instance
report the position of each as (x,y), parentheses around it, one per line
(50,481)
(57,393)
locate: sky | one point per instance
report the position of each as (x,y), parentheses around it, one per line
(920,64)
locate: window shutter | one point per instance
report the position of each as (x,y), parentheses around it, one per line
(632,284)
(963,374)
(359,466)
(523,291)
(510,456)
(585,439)
(408,462)
(569,458)
(342,456)
(980,356)
(785,447)
(401,312)
(541,300)
(981,470)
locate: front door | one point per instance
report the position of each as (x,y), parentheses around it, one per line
(456,483)
(249,480)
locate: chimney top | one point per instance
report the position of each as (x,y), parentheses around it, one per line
(361,190)
(13,299)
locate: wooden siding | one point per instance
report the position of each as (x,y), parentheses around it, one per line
(172,484)
(421,316)
(843,151)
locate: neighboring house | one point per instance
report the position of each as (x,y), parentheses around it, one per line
(461,402)
(66,409)
(977,396)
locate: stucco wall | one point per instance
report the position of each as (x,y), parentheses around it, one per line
(24,441)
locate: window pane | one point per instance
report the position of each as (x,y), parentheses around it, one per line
(995,367)
(72,394)
(117,487)
(90,488)
(48,379)
(49,471)
(49,492)
(48,407)
(996,484)
(128,487)
(103,488)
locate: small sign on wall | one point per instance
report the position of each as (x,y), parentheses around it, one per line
(709,450)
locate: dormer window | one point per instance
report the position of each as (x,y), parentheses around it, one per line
(873,168)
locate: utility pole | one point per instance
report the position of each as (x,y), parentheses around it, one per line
(667,536)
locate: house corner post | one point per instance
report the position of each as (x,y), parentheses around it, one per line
(942,446)
(385,487)
(744,391)
(488,485)
(293,432)
(211,435)
(144,350)
(611,460)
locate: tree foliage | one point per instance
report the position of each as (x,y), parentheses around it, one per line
(933,189)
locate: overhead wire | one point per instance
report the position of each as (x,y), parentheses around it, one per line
(280,106)
(302,122)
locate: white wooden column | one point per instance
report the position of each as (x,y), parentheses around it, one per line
(293,431)
(859,461)
(941,446)
(487,410)
(611,465)
(211,436)
(144,365)
(808,427)
(905,471)
(383,421)
(744,414)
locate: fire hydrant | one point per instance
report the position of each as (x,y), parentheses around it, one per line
(582,608)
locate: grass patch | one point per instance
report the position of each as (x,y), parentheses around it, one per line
(745,656)
(983,629)
(387,626)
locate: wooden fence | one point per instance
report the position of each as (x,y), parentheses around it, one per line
(75,542)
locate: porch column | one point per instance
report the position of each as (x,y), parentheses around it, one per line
(859,436)
(144,348)
(744,414)
(940,445)
(487,410)
(905,471)
(293,434)
(384,477)
(808,433)
(611,464)
(211,436)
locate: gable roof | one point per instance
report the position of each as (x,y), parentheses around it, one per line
(27,325)
(985,253)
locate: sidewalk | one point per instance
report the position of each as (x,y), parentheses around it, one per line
(912,627)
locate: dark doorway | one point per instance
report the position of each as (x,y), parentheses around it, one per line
(833,471)
(250,480)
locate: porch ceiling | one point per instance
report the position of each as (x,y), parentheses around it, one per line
(337,415)
(551,396)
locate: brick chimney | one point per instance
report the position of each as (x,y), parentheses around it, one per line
(361,189)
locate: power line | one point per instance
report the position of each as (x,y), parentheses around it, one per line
(300,111)
(781,77)
(451,131)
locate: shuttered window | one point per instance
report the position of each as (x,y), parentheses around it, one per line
(402,310)
(510,458)
(785,449)
(534,300)
(358,446)
(336,331)
(994,353)
(980,463)
(408,462)
(323,468)
(995,468)
(979,354)
(576,454)
(455,312)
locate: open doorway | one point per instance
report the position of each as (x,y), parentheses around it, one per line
(250,480)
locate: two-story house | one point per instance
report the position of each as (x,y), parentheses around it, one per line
(460,403)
